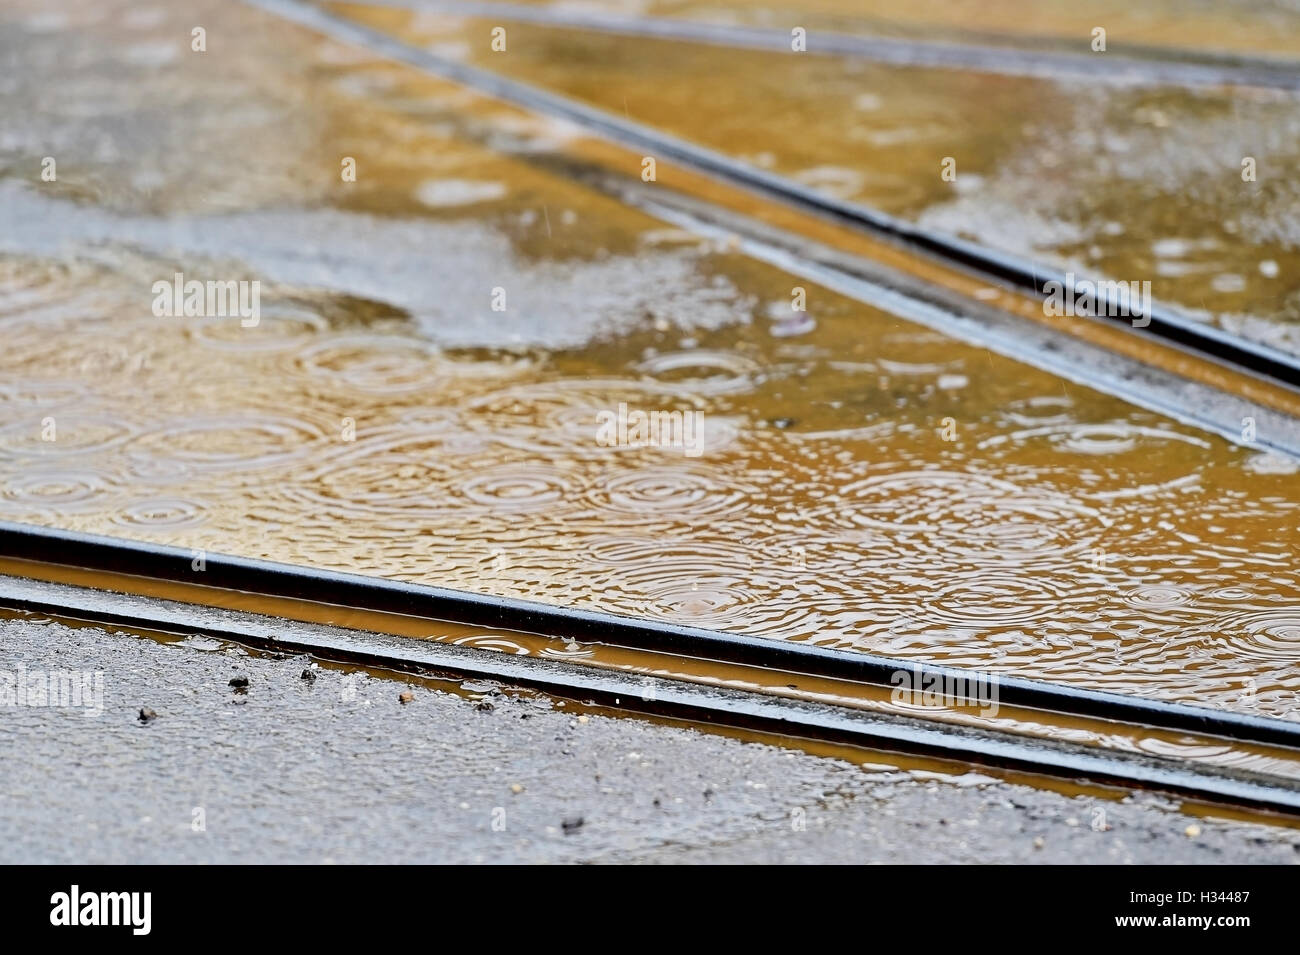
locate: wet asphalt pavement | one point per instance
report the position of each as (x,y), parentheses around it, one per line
(336,768)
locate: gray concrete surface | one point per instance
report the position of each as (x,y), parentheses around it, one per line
(337,769)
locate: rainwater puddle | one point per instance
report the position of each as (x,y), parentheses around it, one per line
(858,481)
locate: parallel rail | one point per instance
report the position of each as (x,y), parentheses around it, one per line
(792,720)
(383,595)
(669,697)
(1127,65)
(1029,277)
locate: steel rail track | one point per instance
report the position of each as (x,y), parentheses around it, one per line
(1031,278)
(792,720)
(359,592)
(1132,66)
